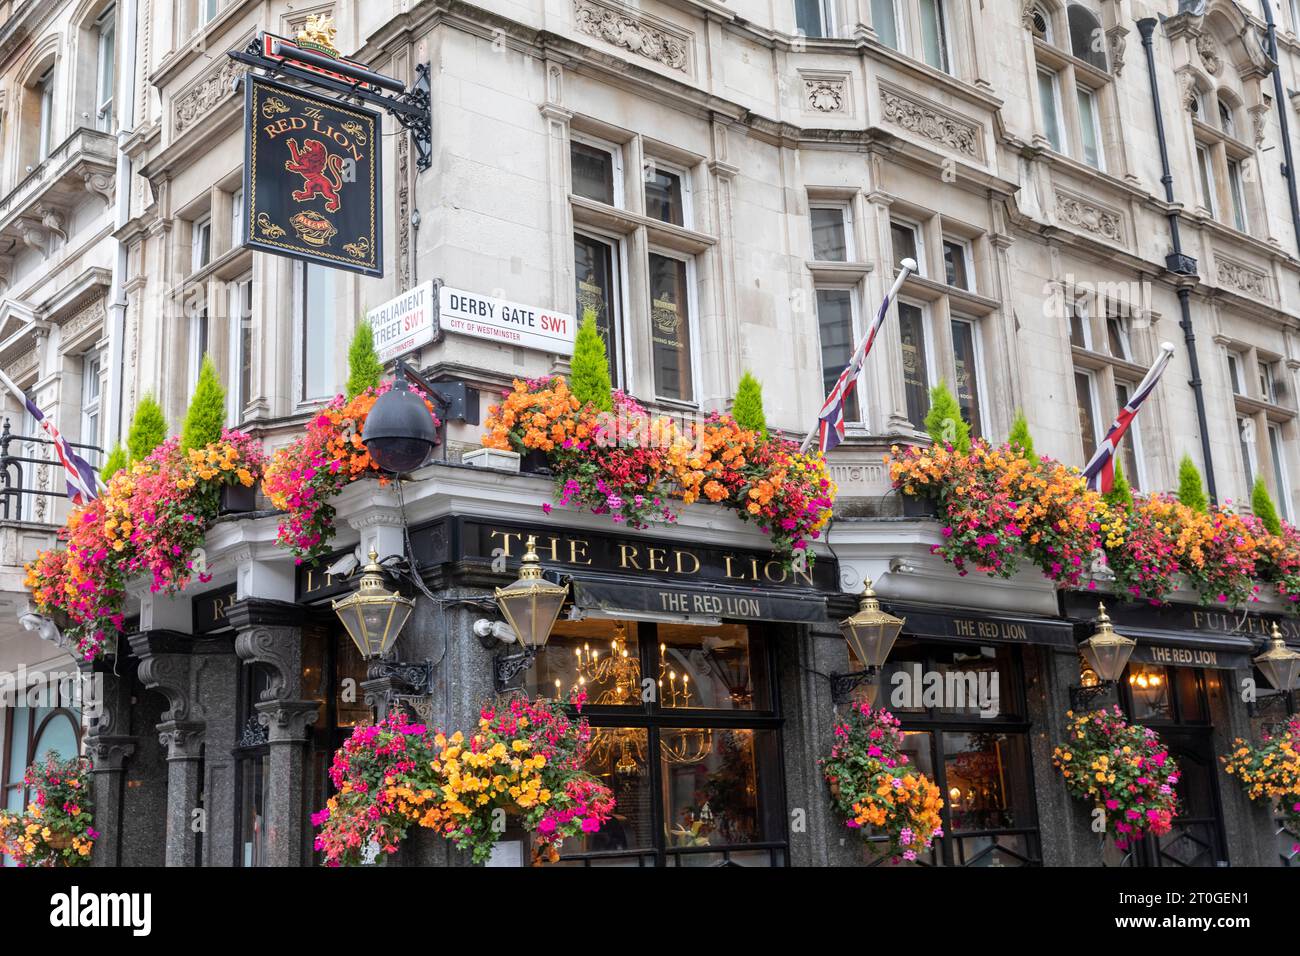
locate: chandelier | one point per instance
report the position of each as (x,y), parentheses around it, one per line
(614,679)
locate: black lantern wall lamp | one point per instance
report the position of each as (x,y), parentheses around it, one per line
(1106,654)
(1281,667)
(870,634)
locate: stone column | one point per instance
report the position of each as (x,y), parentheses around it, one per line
(817,838)
(269,633)
(166,666)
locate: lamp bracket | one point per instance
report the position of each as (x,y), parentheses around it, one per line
(1081,697)
(509,666)
(418,677)
(843,685)
(1262,706)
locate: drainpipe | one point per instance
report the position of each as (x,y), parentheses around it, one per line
(1279,98)
(125,103)
(1178,263)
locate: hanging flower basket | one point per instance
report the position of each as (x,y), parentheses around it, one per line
(1123,770)
(877,791)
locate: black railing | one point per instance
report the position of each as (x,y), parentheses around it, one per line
(13,487)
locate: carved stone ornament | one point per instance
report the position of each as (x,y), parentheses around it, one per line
(1208,49)
(929,122)
(197,102)
(1027,12)
(1234,275)
(824,96)
(632,34)
(1090,217)
(1117,45)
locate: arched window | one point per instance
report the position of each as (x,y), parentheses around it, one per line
(1040,23)
(1087,39)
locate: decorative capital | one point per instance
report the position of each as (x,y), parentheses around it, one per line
(287,720)
(182,738)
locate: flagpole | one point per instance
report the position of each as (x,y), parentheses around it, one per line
(906,268)
(18,393)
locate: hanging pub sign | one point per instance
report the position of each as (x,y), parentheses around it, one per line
(312,178)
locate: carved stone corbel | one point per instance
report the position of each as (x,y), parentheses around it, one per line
(1117,46)
(32,234)
(53,221)
(101,184)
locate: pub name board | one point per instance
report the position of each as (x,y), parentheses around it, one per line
(636,561)
(312,186)
(1207,621)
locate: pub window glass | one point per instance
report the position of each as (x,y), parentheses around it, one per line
(916,374)
(252,757)
(594,172)
(965,358)
(1083,387)
(830,233)
(713,668)
(596,272)
(1148,685)
(665,194)
(835,328)
(670,326)
(1246,440)
(601,656)
(695,784)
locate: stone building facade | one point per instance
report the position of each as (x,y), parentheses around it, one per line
(731,187)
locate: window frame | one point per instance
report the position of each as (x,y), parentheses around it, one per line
(1237,195)
(826,24)
(619,265)
(692,324)
(1206,179)
(200,242)
(1248,449)
(968,261)
(300,279)
(45,120)
(945,37)
(1138,478)
(930,345)
(918,235)
(856,332)
(1083,91)
(615,151)
(105,40)
(1060,143)
(980,428)
(92,365)
(240,392)
(683,175)
(237,217)
(1281,473)
(845,210)
(1094,395)
(899,23)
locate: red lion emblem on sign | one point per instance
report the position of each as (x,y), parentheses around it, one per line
(317,167)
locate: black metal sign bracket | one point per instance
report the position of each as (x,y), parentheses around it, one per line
(410,107)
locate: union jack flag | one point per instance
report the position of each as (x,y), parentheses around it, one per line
(81,482)
(1100,470)
(830,420)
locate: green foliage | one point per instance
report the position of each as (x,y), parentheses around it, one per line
(747,408)
(1121,492)
(589,375)
(944,421)
(1261,503)
(148,428)
(1020,436)
(114,463)
(207,414)
(1191,491)
(364,367)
